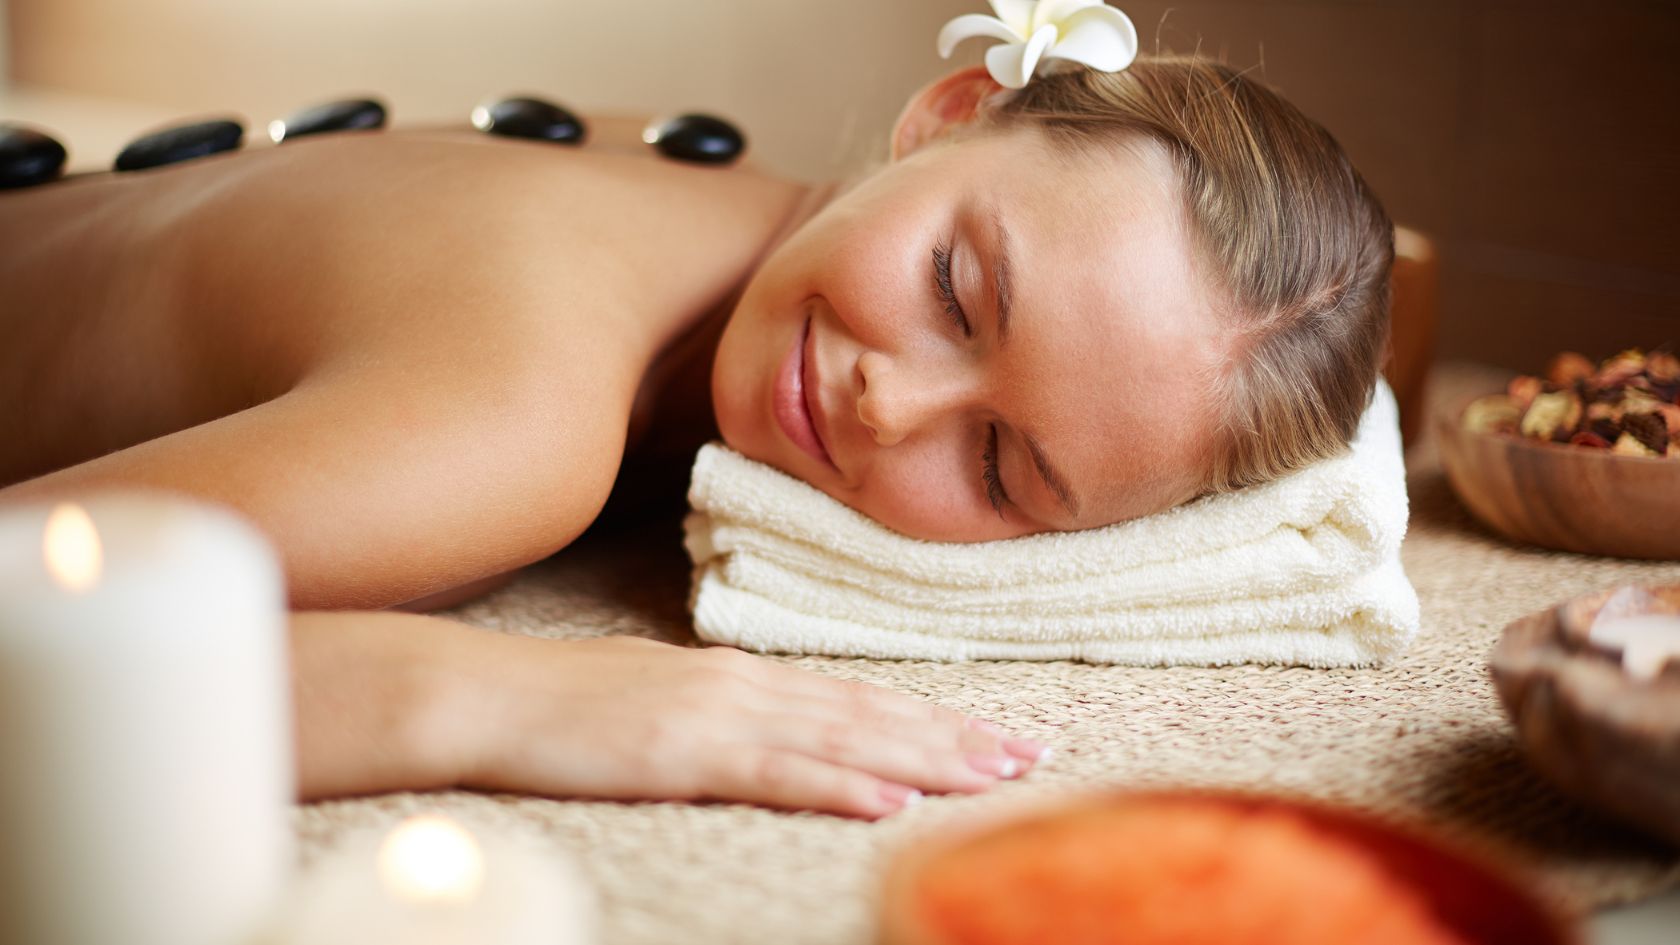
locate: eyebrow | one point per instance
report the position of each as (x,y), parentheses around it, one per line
(1003,285)
(1003,289)
(1052,478)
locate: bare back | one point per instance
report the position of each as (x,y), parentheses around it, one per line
(412,357)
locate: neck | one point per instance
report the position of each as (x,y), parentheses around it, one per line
(673,416)
(677,390)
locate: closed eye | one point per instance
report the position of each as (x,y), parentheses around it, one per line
(948,295)
(989,474)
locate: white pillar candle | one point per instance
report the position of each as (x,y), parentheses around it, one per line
(429,881)
(146,770)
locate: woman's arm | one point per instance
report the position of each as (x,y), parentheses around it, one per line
(384,485)
(369,703)
(391,701)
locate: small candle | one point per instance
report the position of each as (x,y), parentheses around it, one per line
(145,718)
(429,881)
(431,859)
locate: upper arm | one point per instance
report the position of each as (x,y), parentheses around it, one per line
(380,488)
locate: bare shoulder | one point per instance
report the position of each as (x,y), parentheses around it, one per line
(466,324)
(367,227)
(457,405)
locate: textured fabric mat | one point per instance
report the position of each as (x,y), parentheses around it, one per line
(1424,738)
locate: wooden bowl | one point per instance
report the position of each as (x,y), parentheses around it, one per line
(1479,902)
(1603,737)
(1573,498)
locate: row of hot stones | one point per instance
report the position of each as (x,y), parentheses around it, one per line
(29,157)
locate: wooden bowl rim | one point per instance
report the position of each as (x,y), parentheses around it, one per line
(1594,601)
(1498,869)
(1504,651)
(1507,663)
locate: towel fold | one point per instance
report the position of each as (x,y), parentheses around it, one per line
(1302,570)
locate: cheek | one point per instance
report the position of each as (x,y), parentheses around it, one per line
(730,397)
(744,367)
(872,279)
(929,493)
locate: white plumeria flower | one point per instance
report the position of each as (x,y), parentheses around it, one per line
(1035,32)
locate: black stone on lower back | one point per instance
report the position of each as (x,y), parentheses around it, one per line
(530,118)
(702,139)
(28,157)
(182,143)
(356,114)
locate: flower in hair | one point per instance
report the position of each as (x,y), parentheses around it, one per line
(1036,33)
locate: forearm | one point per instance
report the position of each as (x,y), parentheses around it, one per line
(389,701)
(381,701)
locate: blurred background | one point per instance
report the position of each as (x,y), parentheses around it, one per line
(1536,142)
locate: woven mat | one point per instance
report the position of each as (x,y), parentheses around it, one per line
(1422,739)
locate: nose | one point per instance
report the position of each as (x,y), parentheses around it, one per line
(897,398)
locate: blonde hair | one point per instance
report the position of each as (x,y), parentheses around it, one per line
(1289,231)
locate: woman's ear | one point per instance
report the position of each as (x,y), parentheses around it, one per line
(950,101)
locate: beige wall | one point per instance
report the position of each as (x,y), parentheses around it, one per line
(812,83)
(1534,139)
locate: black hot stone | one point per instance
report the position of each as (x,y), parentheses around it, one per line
(357,114)
(529,118)
(182,143)
(699,138)
(28,157)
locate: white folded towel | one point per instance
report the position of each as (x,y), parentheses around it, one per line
(1302,570)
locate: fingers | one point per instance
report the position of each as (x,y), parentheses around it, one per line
(922,758)
(793,781)
(861,698)
(863,704)
(895,738)
(985,748)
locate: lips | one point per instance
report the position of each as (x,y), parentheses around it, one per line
(795,398)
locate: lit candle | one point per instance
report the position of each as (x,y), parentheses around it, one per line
(428,881)
(146,775)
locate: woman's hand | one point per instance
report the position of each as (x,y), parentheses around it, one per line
(624,717)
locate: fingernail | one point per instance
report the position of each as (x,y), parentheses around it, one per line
(994,765)
(900,797)
(1029,749)
(981,725)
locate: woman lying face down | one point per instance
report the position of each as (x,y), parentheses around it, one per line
(1054,308)
(1029,322)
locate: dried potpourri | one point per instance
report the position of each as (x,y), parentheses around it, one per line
(1628,404)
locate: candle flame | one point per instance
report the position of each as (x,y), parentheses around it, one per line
(431,858)
(71,548)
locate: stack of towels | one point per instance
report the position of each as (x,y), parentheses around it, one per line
(1304,570)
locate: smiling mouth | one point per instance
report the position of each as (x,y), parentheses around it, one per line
(794,407)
